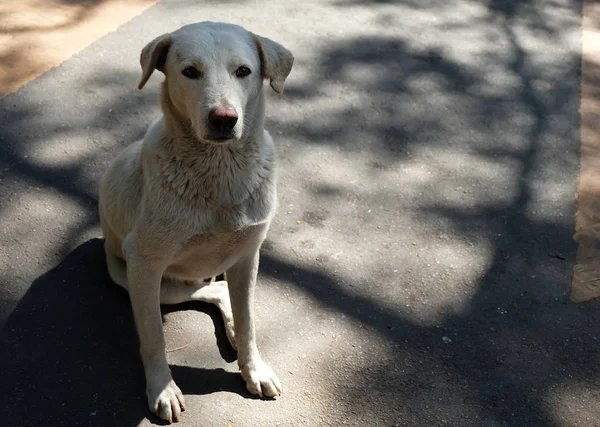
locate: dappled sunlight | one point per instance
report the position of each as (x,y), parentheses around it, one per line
(433,144)
(402,272)
(417,269)
(547,197)
(57,151)
(39,206)
(574,402)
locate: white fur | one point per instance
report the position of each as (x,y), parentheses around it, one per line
(179,207)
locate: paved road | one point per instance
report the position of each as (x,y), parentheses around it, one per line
(429,150)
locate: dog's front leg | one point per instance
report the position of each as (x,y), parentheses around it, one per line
(144,276)
(260,378)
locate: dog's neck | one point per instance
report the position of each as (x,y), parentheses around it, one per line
(227,174)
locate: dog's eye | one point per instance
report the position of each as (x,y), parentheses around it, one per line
(191,73)
(243,72)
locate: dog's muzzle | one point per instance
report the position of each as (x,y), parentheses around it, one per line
(222,121)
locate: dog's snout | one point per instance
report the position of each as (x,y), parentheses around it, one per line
(223,118)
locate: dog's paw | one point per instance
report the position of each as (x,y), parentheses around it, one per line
(260,379)
(167,403)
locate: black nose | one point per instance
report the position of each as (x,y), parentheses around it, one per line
(223,118)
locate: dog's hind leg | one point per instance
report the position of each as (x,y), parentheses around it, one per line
(175,292)
(117,270)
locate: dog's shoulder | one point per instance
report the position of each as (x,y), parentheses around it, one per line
(153,145)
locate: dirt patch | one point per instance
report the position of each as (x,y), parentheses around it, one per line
(586,274)
(37,35)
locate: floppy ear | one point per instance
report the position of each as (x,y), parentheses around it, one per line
(153,57)
(276,62)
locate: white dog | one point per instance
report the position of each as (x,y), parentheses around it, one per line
(195,197)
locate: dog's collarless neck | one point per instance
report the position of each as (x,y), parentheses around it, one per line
(226,175)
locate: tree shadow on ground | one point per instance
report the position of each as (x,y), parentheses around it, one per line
(521,339)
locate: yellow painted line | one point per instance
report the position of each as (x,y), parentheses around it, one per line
(37,35)
(586,274)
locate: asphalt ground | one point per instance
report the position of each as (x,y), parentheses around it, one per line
(418,270)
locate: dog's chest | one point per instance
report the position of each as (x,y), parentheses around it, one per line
(209,254)
(223,200)
(233,226)
(256,210)
(224,241)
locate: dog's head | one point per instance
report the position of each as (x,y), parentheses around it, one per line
(214,74)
